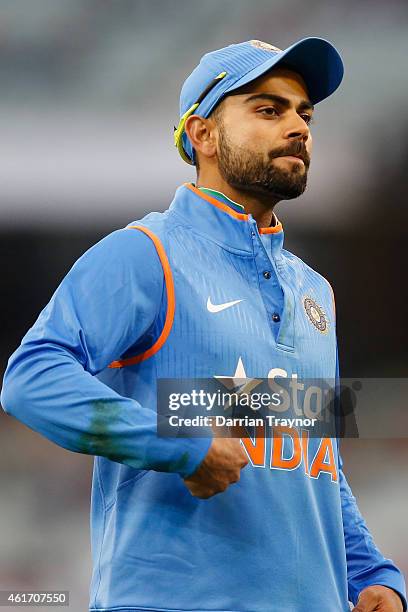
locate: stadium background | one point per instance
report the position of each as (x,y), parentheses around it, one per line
(89,97)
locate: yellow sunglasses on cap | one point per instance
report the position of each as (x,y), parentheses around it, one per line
(179,130)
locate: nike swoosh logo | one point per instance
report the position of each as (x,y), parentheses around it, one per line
(218,307)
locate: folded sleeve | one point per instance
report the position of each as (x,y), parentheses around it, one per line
(108,300)
(365,564)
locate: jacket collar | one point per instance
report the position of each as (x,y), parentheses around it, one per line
(223,220)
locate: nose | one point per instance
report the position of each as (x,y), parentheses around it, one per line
(296,127)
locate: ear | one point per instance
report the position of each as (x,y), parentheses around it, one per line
(202,135)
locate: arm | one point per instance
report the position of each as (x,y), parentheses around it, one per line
(107,301)
(365,564)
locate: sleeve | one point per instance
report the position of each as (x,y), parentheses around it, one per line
(365,564)
(109,299)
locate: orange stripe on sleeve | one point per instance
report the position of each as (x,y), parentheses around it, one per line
(171,304)
(333,299)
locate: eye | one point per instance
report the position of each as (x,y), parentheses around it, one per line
(269,110)
(307,118)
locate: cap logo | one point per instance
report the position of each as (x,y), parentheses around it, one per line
(259,44)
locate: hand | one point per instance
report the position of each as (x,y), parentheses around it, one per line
(379,598)
(221,467)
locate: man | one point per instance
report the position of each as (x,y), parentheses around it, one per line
(206,289)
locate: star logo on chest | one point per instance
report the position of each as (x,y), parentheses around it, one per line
(239,379)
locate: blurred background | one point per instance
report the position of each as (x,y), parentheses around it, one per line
(89,98)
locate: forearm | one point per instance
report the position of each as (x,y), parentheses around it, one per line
(47,389)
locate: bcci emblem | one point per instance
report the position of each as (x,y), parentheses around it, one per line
(266,46)
(316,315)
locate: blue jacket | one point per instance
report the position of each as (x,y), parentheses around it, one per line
(134,308)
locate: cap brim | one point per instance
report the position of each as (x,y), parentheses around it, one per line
(316,60)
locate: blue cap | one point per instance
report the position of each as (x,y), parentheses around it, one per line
(224,70)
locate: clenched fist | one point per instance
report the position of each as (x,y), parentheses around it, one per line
(221,467)
(378,597)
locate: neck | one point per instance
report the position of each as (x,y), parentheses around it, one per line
(258,205)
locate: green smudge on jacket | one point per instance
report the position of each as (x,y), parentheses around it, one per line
(99,440)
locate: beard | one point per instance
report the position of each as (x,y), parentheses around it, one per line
(253,172)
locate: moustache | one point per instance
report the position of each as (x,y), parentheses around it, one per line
(297,150)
